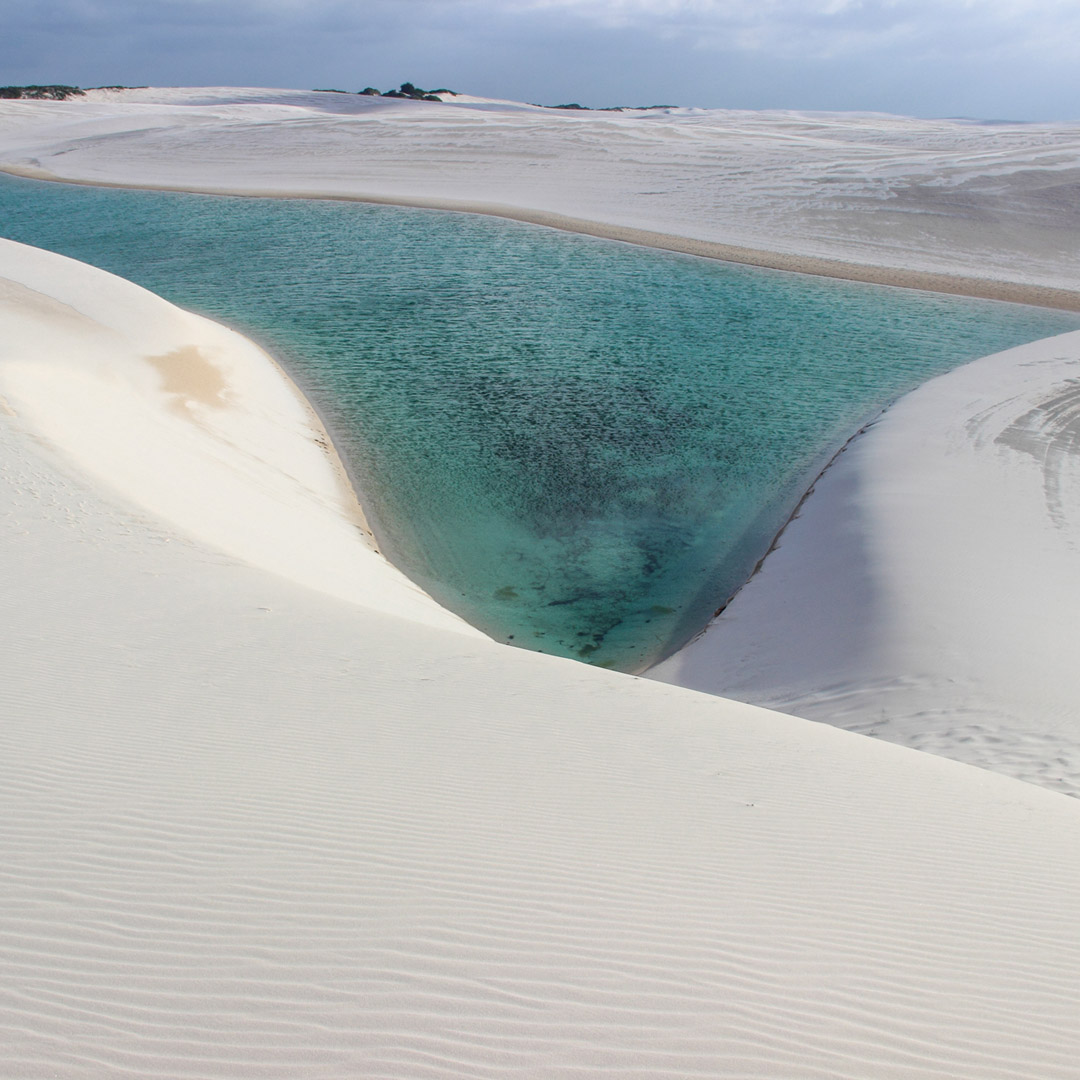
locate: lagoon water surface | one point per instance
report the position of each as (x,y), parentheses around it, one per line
(580,446)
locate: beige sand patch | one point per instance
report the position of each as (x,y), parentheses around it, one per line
(190,376)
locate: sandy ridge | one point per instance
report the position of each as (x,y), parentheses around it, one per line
(924,592)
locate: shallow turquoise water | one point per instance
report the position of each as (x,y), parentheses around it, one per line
(580,446)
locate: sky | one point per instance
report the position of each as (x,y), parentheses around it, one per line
(985,59)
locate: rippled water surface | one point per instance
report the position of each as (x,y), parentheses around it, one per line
(580,446)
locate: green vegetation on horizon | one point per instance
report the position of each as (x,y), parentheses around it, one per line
(406,90)
(41,93)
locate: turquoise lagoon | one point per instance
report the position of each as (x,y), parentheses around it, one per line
(580,446)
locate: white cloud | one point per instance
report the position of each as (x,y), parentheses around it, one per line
(822,28)
(932,57)
(828,28)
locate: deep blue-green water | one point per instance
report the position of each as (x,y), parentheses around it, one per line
(581,446)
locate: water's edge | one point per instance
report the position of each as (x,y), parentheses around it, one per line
(1011,292)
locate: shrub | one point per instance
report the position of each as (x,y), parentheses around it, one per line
(41,93)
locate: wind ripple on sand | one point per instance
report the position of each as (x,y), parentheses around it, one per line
(285,858)
(1050,433)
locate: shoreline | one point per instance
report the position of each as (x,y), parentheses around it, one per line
(796,511)
(878,608)
(352,505)
(350,492)
(815,266)
(262,478)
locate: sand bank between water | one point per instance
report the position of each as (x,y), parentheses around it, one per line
(984,209)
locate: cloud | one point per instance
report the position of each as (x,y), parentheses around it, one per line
(831,28)
(825,28)
(928,57)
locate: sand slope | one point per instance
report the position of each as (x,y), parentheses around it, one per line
(191,421)
(253,829)
(927,591)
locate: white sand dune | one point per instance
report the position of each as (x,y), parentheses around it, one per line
(927,591)
(193,422)
(268,811)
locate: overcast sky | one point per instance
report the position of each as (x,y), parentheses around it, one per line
(991,59)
